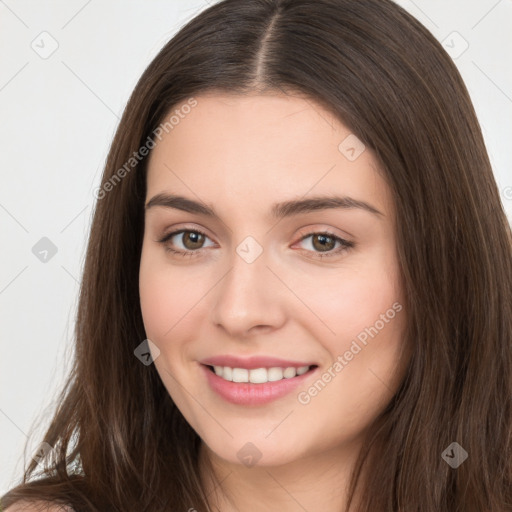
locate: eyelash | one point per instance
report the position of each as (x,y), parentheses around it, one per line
(345,244)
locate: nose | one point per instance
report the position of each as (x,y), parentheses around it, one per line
(249,299)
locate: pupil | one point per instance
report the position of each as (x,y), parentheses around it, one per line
(323,246)
(194,238)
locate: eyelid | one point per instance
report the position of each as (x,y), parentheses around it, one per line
(175,230)
(303,232)
(178,231)
(317,229)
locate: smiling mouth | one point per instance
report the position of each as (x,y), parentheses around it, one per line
(259,375)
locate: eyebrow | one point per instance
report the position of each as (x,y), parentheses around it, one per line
(278,210)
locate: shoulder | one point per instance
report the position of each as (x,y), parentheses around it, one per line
(37,506)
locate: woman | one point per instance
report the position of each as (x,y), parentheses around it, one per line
(297,287)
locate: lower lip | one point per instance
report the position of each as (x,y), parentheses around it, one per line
(247,393)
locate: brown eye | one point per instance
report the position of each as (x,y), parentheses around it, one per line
(323,242)
(192,240)
(185,242)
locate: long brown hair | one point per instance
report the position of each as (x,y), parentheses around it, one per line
(119,441)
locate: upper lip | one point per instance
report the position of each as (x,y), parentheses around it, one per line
(252,362)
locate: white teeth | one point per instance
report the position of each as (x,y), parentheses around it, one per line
(302,369)
(274,374)
(227,373)
(289,372)
(258,375)
(240,375)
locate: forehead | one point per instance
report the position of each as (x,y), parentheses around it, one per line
(248,151)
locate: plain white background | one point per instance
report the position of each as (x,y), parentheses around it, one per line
(58,115)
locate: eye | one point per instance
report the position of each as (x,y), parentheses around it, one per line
(324,242)
(192,241)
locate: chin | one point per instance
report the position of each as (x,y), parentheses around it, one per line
(257,453)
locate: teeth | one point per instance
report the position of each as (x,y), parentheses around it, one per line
(274,374)
(289,372)
(302,369)
(240,375)
(258,375)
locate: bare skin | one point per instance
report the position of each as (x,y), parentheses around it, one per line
(240,155)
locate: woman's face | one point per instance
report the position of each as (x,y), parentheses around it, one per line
(274,268)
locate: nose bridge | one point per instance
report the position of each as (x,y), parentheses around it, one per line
(247,296)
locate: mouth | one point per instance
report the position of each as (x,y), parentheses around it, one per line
(259,375)
(257,386)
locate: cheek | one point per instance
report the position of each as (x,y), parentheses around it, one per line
(362,323)
(166,301)
(156,297)
(362,372)
(351,300)
(167,294)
